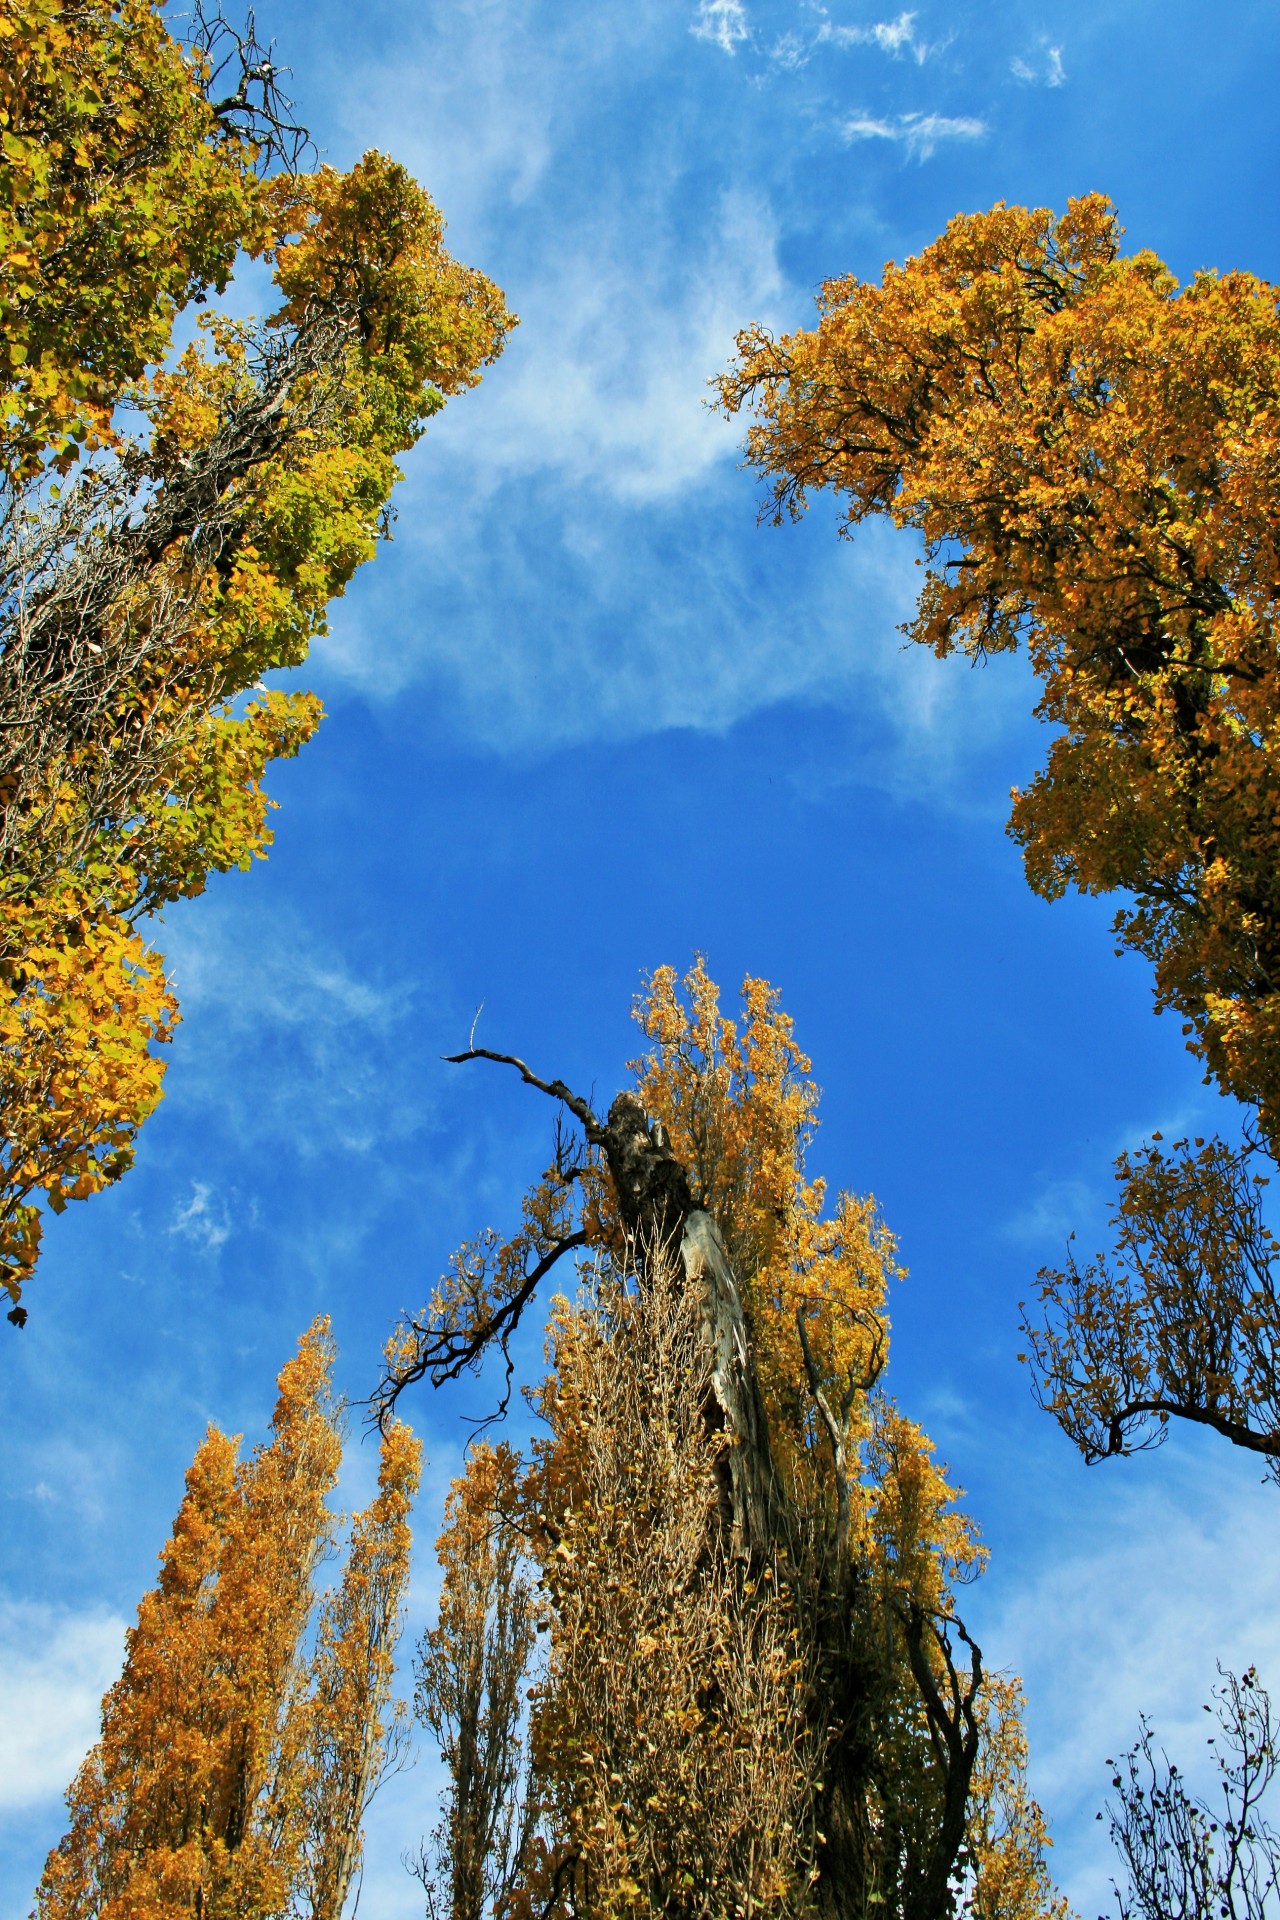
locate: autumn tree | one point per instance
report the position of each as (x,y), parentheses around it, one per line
(753,1690)
(1088,451)
(249,1728)
(470,1668)
(172,530)
(1180,1320)
(1089,454)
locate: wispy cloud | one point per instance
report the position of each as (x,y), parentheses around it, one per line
(204,1220)
(722,22)
(918,133)
(899,38)
(1169,1565)
(604,386)
(1042,68)
(896,37)
(1054,1214)
(311,1053)
(57,1666)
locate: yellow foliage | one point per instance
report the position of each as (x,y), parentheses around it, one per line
(719,1727)
(1090,454)
(150,590)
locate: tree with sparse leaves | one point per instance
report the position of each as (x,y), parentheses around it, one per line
(251,1724)
(1181,1320)
(171,530)
(1191,1859)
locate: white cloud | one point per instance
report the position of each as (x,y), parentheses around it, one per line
(895,37)
(309,1052)
(790,52)
(919,133)
(57,1666)
(1170,1564)
(722,22)
(1058,1210)
(1043,68)
(605,383)
(203,1220)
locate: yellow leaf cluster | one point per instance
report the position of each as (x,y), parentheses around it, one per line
(149,590)
(1089,452)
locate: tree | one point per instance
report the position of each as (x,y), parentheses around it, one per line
(1089,453)
(753,1690)
(238,1753)
(151,577)
(1181,1321)
(469,1668)
(1189,1858)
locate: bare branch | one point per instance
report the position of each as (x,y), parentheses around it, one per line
(557,1089)
(256,108)
(448,1348)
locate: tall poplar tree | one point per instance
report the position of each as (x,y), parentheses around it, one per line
(248,1730)
(753,1690)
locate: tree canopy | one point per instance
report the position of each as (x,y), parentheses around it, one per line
(172,529)
(1089,452)
(251,1724)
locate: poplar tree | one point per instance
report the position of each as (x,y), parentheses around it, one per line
(752,1689)
(249,1728)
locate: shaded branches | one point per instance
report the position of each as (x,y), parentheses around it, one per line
(949,1694)
(1180,1321)
(243,83)
(1193,1859)
(479,1306)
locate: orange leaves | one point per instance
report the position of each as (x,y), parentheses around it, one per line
(1091,457)
(471,1669)
(233,1768)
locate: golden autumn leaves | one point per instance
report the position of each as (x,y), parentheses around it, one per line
(761,1725)
(634,1705)
(252,1723)
(153,582)
(1091,455)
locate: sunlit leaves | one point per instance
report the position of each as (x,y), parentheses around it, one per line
(723,1720)
(1090,454)
(230,494)
(236,1759)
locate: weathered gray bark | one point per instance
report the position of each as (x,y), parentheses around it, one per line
(751,1497)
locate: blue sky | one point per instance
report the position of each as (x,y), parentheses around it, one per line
(586,716)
